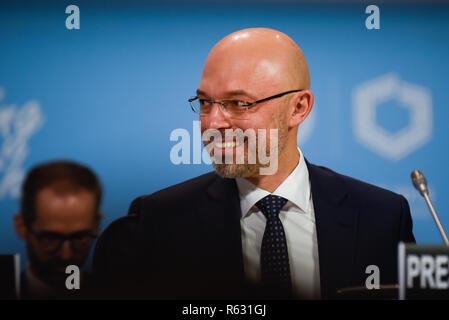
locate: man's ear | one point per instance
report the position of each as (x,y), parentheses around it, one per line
(301,104)
(19,225)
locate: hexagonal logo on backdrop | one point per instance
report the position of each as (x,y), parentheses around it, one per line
(416,99)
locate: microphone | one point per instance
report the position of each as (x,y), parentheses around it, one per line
(420,183)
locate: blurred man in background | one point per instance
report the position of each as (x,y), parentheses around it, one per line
(59,216)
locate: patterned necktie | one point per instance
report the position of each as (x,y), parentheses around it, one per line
(275,268)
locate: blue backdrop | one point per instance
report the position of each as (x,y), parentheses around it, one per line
(109,94)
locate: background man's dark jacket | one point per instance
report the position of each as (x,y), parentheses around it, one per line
(86,290)
(187,242)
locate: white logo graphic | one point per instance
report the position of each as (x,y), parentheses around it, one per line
(416,99)
(16,127)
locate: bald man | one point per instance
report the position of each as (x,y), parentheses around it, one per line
(255,229)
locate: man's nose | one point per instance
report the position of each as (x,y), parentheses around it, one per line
(66,251)
(217,118)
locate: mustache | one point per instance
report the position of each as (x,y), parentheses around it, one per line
(227,135)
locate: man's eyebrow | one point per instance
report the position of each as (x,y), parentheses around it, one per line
(240,93)
(229,93)
(55,233)
(201,93)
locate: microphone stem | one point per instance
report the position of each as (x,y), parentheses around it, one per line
(435,217)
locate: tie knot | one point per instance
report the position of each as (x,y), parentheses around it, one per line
(271,206)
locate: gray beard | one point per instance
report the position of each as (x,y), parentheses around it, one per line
(247,170)
(237,170)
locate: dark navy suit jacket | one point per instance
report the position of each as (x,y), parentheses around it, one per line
(188,238)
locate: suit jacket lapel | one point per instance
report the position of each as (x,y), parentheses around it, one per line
(336,224)
(220,223)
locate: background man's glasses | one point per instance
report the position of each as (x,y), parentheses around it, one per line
(233,108)
(52,241)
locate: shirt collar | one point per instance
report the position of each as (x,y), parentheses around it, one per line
(295,188)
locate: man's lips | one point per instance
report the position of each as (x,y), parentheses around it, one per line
(221,148)
(230,143)
(226,144)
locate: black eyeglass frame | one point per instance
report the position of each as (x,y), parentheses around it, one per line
(246,105)
(61,238)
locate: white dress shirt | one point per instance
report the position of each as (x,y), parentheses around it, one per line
(298,220)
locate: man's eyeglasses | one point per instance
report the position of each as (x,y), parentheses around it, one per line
(233,108)
(52,241)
